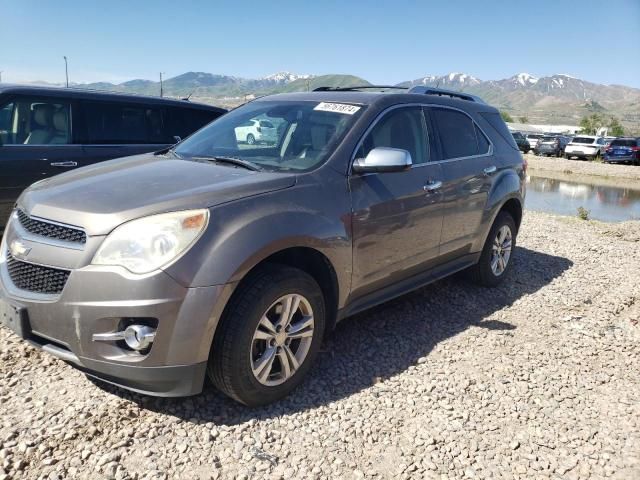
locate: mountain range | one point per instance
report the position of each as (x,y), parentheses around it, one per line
(556,99)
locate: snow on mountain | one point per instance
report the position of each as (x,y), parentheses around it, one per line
(524,79)
(284,77)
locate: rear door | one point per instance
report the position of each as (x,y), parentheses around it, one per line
(37,141)
(119,129)
(468,166)
(397,218)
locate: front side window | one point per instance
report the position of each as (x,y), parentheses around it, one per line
(27,121)
(401,128)
(302,134)
(115,123)
(457,133)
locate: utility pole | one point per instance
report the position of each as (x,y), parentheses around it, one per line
(66,70)
(161,91)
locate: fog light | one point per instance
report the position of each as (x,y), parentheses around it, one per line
(137,337)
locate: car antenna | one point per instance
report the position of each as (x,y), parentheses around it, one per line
(186,99)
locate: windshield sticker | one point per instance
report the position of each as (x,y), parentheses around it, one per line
(337,108)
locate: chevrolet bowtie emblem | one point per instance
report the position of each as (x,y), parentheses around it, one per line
(19,249)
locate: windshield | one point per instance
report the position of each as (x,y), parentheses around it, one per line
(274,135)
(534,135)
(583,140)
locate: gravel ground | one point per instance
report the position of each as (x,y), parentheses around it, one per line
(535,379)
(581,167)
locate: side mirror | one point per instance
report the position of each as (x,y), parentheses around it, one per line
(383,159)
(177,138)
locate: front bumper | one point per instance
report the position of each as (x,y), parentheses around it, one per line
(97,299)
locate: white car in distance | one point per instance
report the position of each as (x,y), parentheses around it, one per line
(588,147)
(256,131)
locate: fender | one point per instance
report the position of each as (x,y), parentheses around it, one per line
(507,186)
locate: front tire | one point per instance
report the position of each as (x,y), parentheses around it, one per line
(497,254)
(269,336)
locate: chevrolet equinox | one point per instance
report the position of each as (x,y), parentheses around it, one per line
(232,260)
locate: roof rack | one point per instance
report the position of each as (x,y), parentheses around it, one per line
(445,93)
(356,87)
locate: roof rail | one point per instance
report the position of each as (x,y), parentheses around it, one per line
(445,93)
(356,87)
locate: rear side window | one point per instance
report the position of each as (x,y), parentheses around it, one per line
(621,142)
(483,142)
(401,128)
(35,121)
(585,140)
(113,123)
(457,133)
(495,121)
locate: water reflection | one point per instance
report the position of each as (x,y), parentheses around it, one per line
(609,204)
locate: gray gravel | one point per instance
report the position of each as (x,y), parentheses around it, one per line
(535,379)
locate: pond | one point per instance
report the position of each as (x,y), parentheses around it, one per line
(605,203)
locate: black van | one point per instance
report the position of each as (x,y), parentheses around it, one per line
(46,131)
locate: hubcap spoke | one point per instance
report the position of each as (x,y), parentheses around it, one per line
(266,324)
(262,368)
(501,250)
(303,328)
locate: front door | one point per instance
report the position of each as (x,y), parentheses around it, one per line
(397,219)
(35,143)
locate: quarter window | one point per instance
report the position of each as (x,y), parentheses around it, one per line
(483,143)
(28,121)
(401,128)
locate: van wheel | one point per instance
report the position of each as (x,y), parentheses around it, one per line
(269,336)
(497,254)
(251,139)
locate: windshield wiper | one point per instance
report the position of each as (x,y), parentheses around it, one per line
(233,161)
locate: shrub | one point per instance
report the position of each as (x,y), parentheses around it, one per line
(583,213)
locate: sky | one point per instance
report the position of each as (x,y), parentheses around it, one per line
(384,42)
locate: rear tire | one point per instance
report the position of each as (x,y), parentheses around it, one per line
(245,341)
(251,139)
(497,254)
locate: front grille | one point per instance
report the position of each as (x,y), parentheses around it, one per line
(51,230)
(36,278)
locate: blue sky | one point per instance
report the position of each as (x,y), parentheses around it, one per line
(383,42)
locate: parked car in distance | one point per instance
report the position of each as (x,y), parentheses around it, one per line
(215,259)
(551,145)
(523,144)
(533,139)
(46,131)
(608,140)
(587,147)
(623,150)
(256,131)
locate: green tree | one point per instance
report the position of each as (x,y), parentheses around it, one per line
(615,128)
(591,123)
(523,119)
(505,116)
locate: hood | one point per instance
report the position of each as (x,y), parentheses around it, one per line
(100,197)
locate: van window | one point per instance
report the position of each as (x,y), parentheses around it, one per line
(112,123)
(401,128)
(457,133)
(30,121)
(184,121)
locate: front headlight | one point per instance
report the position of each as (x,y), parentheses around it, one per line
(146,244)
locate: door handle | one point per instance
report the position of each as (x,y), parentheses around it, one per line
(64,164)
(490,170)
(432,186)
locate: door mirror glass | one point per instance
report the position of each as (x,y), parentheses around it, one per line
(383,159)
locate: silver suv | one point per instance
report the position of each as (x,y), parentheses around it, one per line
(222,258)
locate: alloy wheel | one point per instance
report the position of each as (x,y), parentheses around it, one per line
(501,250)
(282,340)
